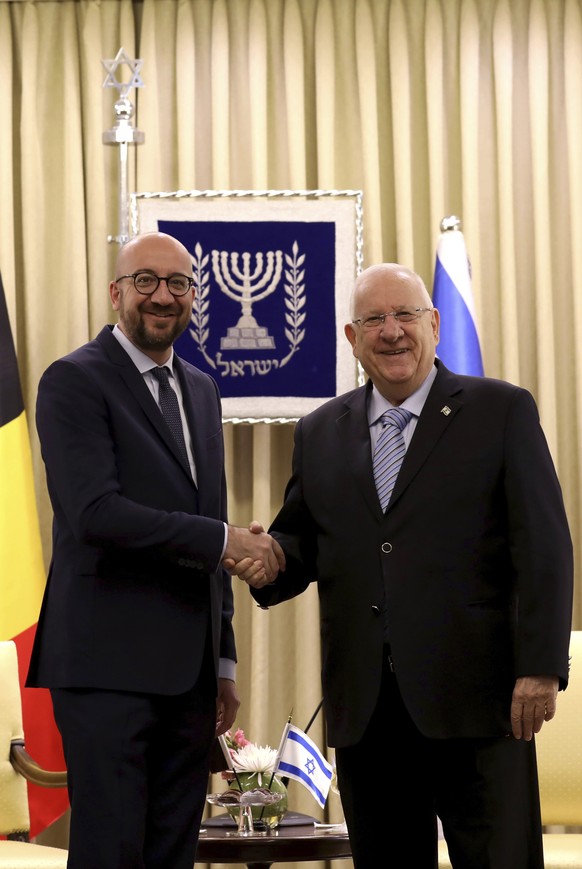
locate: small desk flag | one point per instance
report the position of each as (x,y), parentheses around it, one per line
(458,346)
(299,758)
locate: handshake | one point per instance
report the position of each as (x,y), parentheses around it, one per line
(253,555)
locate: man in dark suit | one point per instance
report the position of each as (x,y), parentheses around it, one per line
(445,618)
(135,635)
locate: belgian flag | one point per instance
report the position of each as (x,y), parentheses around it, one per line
(22,576)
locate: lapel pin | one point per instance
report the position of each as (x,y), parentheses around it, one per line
(445,410)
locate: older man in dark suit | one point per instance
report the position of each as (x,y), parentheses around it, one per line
(135,635)
(446,616)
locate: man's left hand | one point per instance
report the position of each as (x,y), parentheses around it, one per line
(532,703)
(227,704)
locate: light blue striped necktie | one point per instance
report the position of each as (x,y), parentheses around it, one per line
(389,452)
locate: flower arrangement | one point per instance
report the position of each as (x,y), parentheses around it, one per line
(253,767)
(257,761)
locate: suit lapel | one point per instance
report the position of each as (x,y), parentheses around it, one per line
(354,436)
(195,407)
(441,406)
(139,391)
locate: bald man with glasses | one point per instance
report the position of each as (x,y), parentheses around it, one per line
(135,637)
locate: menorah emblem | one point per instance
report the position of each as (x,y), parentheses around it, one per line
(247,287)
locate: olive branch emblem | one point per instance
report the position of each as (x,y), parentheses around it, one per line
(200,315)
(295,301)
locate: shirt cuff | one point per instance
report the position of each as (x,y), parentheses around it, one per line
(224,543)
(227,669)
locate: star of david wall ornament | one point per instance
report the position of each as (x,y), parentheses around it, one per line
(273,273)
(123,132)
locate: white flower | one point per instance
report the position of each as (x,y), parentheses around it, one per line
(254,758)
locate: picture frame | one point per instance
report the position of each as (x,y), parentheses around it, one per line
(273,273)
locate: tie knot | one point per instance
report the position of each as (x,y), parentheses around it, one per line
(396,416)
(161,375)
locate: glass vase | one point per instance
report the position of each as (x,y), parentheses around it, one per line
(270,815)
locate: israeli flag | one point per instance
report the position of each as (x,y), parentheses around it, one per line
(300,759)
(458,346)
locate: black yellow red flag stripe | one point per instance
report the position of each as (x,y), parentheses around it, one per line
(22,574)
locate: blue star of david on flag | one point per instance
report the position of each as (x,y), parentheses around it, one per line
(301,759)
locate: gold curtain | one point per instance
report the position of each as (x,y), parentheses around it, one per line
(431,107)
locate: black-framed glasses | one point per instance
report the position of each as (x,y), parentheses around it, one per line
(147,283)
(376,321)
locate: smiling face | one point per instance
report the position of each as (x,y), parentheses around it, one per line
(152,322)
(396,356)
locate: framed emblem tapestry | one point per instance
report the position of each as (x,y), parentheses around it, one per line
(273,272)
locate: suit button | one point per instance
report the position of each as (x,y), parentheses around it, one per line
(376,610)
(386,548)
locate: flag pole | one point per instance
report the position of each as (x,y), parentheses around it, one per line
(314,716)
(278,755)
(280,749)
(123,132)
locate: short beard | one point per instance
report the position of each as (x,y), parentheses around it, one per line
(149,340)
(135,329)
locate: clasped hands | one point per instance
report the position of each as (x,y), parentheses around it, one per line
(253,555)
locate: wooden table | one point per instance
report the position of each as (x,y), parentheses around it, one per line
(296,839)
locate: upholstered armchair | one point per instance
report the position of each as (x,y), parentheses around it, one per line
(16,768)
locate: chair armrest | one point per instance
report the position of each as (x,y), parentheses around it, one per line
(31,771)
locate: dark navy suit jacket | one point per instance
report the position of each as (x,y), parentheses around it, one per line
(471,564)
(135,582)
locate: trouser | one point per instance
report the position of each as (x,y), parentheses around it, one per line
(395,782)
(138,775)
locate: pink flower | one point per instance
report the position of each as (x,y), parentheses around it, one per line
(240,739)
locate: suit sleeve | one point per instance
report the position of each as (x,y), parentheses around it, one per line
(540,543)
(295,531)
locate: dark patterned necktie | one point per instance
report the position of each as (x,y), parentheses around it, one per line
(171,411)
(389,452)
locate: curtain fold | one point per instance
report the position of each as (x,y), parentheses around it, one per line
(431,107)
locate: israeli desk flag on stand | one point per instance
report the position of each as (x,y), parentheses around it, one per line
(299,758)
(458,346)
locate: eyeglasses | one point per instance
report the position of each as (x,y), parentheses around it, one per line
(406,315)
(147,283)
